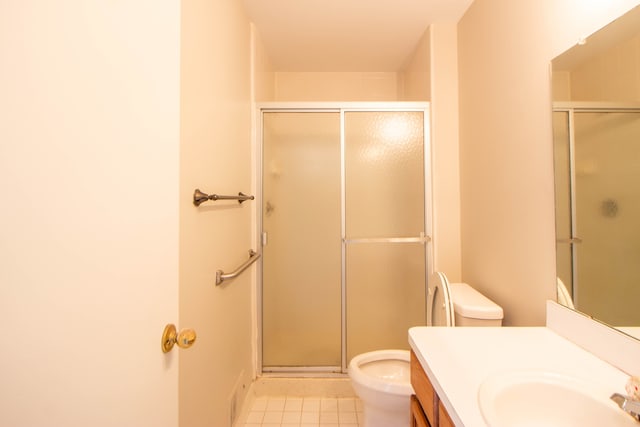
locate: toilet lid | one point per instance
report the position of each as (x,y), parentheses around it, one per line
(439,303)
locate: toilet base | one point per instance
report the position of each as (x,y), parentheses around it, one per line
(383,417)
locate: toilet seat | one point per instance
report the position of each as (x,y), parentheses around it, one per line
(439,301)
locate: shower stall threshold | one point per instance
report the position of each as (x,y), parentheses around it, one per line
(338,386)
(279,387)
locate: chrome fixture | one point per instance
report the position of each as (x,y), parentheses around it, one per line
(630,406)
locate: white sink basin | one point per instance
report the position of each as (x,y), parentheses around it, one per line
(528,398)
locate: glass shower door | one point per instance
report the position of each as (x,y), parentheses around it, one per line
(384,238)
(301,292)
(344,246)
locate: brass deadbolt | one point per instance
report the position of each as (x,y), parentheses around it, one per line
(184,339)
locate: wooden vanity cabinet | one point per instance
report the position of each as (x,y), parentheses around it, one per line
(426,408)
(444,419)
(418,417)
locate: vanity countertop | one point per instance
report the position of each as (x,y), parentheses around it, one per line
(457,361)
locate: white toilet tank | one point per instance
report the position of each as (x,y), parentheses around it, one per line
(472,308)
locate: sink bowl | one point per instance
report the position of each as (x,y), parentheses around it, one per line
(527,399)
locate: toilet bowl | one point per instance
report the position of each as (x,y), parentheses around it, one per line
(382,379)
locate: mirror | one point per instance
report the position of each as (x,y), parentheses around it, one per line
(596,134)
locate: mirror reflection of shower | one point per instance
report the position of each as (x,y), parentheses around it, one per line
(596,99)
(597,154)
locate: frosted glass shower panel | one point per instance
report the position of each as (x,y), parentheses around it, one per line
(607,188)
(302,258)
(384,169)
(385,295)
(384,220)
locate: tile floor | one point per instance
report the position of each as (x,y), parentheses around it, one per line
(290,411)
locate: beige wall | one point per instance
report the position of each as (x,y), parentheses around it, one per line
(89,221)
(262,71)
(414,76)
(336,86)
(445,150)
(215,156)
(506,159)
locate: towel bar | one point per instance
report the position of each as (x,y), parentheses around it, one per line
(199,197)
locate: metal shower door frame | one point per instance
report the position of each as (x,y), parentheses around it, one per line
(425,238)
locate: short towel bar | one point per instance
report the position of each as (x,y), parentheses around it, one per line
(221,276)
(199,197)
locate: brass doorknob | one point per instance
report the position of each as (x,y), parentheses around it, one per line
(184,339)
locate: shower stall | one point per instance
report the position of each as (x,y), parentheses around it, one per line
(597,171)
(345,225)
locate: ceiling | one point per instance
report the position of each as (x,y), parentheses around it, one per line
(346,35)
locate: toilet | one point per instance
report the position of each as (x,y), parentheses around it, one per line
(382,379)
(471,308)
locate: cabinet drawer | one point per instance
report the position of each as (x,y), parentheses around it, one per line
(423,389)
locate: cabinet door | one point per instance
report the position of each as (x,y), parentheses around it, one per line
(418,418)
(443,417)
(423,388)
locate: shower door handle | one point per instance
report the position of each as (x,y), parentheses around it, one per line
(422,238)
